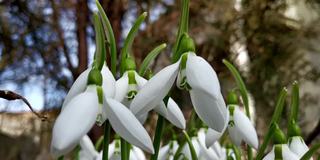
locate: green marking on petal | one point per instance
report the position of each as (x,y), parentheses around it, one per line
(278,152)
(131,94)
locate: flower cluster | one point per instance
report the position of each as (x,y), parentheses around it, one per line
(96,97)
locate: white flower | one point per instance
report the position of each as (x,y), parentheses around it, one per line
(80,84)
(240,128)
(296,145)
(196,75)
(167,152)
(88,151)
(81,112)
(115,152)
(130,84)
(212,136)
(205,153)
(284,151)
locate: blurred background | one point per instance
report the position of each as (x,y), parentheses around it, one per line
(46,44)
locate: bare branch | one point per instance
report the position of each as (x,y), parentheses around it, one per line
(10,96)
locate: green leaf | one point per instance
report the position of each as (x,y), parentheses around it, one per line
(294,106)
(100,55)
(129,40)
(150,57)
(311,151)
(110,36)
(275,119)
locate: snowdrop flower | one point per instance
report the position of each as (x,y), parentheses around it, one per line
(240,128)
(298,146)
(80,84)
(130,84)
(167,152)
(205,153)
(88,151)
(194,74)
(94,104)
(280,150)
(296,143)
(284,152)
(115,152)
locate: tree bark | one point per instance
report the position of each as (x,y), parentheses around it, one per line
(82,20)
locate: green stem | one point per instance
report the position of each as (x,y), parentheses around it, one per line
(191,147)
(236,152)
(275,119)
(183,28)
(128,147)
(183,24)
(177,154)
(157,137)
(106,140)
(61,158)
(110,36)
(123,149)
(294,102)
(129,40)
(244,94)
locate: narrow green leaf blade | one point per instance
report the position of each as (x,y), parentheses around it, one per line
(150,57)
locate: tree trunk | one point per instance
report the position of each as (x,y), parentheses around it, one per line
(82,20)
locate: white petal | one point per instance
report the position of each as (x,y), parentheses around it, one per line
(108,83)
(115,156)
(77,87)
(122,85)
(212,136)
(245,128)
(201,76)
(175,115)
(153,92)
(111,148)
(234,135)
(218,149)
(212,110)
(269,156)
(142,118)
(161,109)
(138,153)
(167,152)
(127,126)
(164,152)
(74,122)
(297,146)
(205,153)
(87,148)
(140,80)
(287,154)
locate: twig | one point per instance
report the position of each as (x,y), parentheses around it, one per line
(9,95)
(313,134)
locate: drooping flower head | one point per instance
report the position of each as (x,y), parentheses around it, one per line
(131,83)
(280,150)
(198,77)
